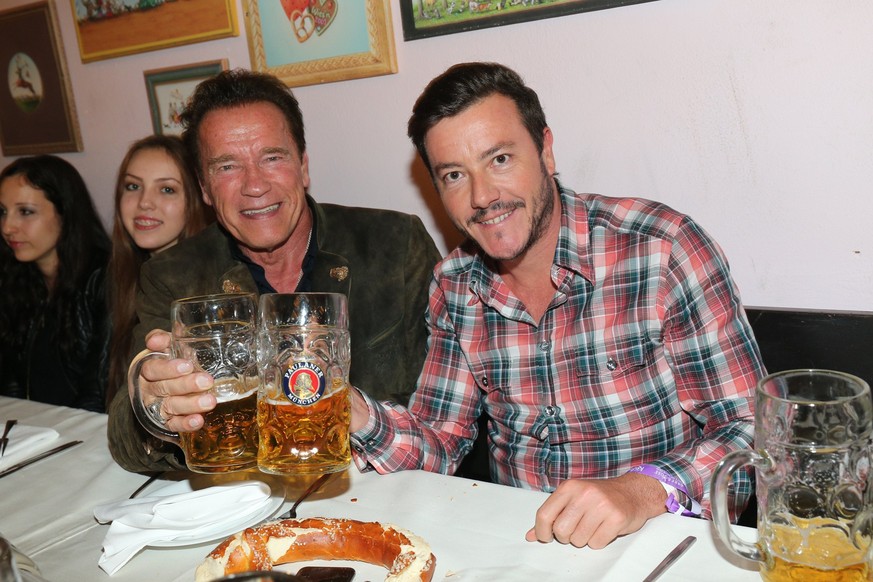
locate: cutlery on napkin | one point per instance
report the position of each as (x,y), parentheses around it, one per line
(24,441)
(138,522)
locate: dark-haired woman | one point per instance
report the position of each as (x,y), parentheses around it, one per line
(54,323)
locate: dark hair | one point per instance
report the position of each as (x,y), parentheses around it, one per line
(82,247)
(464,85)
(236,88)
(127,257)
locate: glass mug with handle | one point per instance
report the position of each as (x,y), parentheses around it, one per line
(304,405)
(218,333)
(814,487)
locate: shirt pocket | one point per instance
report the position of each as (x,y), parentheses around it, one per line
(622,387)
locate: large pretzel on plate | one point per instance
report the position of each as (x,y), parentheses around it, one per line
(406,556)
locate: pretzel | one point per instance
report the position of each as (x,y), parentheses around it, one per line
(406,556)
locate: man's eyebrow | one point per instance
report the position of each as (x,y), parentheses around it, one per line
(217,160)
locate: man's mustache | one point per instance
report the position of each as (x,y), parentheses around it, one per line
(498,206)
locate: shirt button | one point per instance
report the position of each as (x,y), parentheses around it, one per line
(371,443)
(545,345)
(611,364)
(485,381)
(551,410)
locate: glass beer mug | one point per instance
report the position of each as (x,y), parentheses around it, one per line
(218,334)
(814,482)
(304,406)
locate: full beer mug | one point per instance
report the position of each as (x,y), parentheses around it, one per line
(218,334)
(814,481)
(304,406)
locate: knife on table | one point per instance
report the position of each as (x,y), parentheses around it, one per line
(671,557)
(38,457)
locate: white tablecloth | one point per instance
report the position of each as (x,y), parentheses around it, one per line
(476,530)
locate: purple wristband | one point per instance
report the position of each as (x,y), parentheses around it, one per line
(673,505)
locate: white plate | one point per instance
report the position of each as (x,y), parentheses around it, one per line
(219,530)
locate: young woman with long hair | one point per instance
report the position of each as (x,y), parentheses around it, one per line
(157,204)
(54,325)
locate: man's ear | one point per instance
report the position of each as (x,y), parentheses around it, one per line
(547,156)
(204,193)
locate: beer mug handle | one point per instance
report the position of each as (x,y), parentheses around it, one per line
(721,477)
(145,417)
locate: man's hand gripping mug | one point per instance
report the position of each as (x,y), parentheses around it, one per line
(217,333)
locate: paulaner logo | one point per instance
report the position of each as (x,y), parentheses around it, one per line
(303,383)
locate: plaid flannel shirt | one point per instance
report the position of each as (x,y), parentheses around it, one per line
(644,356)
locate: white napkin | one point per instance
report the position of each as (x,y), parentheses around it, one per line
(25,441)
(139,522)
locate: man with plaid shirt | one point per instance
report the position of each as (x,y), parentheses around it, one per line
(603,336)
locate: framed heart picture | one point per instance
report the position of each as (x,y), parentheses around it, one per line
(307,42)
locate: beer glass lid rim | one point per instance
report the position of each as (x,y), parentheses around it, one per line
(800,372)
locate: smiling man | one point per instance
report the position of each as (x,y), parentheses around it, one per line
(603,336)
(246,132)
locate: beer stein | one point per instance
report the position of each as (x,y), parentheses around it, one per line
(304,406)
(812,459)
(218,334)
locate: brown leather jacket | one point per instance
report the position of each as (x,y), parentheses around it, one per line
(381,260)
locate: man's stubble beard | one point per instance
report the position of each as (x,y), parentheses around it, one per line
(541,215)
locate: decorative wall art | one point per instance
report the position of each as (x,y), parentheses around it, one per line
(114,28)
(170,88)
(37,112)
(424,18)
(306,42)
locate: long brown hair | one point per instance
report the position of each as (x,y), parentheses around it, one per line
(127,257)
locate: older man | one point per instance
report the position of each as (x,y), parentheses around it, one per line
(603,336)
(246,131)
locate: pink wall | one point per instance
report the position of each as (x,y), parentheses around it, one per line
(756,118)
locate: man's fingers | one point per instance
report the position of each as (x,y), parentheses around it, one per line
(158,340)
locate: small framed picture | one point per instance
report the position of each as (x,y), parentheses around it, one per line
(307,42)
(37,111)
(170,88)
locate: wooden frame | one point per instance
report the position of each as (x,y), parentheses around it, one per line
(306,42)
(37,111)
(170,88)
(116,28)
(425,18)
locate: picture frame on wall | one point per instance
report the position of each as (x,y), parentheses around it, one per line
(37,110)
(108,29)
(307,42)
(426,18)
(169,90)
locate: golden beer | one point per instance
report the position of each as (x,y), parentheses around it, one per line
(814,550)
(228,440)
(305,439)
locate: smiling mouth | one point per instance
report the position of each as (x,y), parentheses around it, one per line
(261,211)
(147,222)
(497,219)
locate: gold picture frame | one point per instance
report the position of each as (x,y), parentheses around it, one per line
(37,110)
(307,42)
(107,30)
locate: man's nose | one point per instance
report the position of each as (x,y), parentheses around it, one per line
(254,183)
(482,192)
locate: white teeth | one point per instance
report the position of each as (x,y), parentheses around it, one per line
(498,219)
(270,208)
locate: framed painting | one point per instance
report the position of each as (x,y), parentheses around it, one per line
(37,111)
(424,18)
(306,42)
(114,28)
(170,88)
